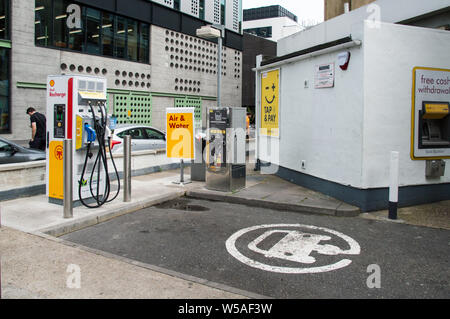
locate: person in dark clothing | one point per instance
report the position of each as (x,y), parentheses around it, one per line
(38,129)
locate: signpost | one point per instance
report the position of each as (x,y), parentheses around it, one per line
(180,136)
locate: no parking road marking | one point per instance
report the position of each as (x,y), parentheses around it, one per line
(296,245)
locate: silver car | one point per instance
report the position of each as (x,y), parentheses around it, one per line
(11,152)
(142,138)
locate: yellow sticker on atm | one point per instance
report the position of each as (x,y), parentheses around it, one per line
(435,111)
(55,155)
(270,82)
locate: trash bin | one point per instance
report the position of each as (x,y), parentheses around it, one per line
(198,167)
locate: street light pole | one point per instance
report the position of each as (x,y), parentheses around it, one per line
(219,71)
(219,63)
(215,31)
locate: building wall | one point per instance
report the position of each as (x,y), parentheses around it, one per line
(334,8)
(31,65)
(253,46)
(322,127)
(233,13)
(391,53)
(346,133)
(281,26)
(392,11)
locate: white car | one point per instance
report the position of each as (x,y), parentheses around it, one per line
(142,138)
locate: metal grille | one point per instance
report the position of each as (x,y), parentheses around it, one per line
(133,109)
(192,102)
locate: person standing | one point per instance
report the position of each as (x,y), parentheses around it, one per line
(38,129)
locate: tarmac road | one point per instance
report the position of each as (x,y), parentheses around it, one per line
(413,261)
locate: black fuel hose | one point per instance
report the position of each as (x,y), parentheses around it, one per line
(100,126)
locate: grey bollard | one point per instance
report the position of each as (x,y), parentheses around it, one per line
(127,168)
(68,178)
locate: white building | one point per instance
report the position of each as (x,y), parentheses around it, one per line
(272,22)
(337,127)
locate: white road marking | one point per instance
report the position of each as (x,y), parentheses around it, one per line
(295,246)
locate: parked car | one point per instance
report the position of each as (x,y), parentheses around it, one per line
(142,138)
(11,152)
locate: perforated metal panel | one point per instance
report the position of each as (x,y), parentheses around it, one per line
(192,102)
(133,109)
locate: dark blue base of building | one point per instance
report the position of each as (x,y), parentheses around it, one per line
(369,199)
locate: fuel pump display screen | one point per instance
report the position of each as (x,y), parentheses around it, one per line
(59,120)
(218,124)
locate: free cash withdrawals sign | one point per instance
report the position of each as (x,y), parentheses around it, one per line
(270,83)
(430,86)
(180,133)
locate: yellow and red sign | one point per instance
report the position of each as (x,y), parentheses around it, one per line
(180,133)
(56,172)
(270,89)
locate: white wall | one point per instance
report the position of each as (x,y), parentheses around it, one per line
(233,12)
(323,126)
(190,7)
(346,133)
(212,11)
(281,26)
(391,53)
(392,11)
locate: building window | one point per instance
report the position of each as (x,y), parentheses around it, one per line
(4,19)
(59,24)
(96,32)
(4,90)
(42,23)
(144,38)
(132,40)
(107,34)
(93,34)
(120,37)
(264,32)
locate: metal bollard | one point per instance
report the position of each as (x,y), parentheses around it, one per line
(127,168)
(182,172)
(68,178)
(393,185)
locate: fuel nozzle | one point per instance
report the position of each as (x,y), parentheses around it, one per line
(91,136)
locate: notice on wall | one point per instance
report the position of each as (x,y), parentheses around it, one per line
(270,83)
(431,95)
(324,76)
(180,133)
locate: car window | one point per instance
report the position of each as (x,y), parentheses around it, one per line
(135,133)
(5,147)
(154,134)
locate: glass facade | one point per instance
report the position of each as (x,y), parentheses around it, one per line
(4,67)
(59,25)
(4,90)
(4,19)
(268,12)
(264,32)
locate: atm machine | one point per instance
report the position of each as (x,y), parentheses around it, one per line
(225,147)
(76,110)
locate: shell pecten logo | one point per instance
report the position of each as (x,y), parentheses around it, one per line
(52,83)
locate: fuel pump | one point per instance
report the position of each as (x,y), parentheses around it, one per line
(76,110)
(225,147)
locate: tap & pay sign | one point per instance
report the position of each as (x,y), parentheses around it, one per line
(270,83)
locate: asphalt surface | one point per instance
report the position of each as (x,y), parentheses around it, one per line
(413,261)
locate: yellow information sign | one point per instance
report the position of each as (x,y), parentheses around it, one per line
(180,133)
(270,89)
(56,182)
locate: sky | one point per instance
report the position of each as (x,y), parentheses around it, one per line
(305,10)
